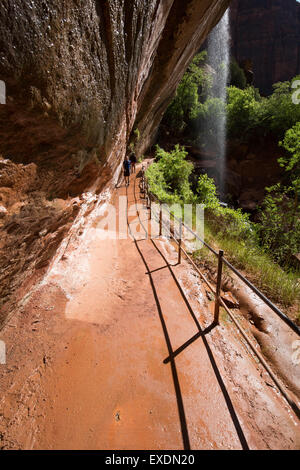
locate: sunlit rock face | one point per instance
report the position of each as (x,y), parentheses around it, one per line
(80,76)
(266,33)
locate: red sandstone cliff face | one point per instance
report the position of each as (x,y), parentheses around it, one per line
(267,33)
(79,73)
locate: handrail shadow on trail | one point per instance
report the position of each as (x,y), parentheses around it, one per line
(173,354)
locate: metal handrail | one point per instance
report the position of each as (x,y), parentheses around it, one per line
(265,299)
(218,298)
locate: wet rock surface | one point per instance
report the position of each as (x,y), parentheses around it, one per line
(251,167)
(77,73)
(96,374)
(32,226)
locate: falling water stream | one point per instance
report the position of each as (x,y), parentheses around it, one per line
(218,59)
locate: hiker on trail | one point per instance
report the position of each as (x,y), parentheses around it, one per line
(126,167)
(132,159)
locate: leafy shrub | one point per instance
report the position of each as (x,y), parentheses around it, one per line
(280,212)
(230,222)
(191,90)
(169,176)
(207,192)
(279,113)
(248,111)
(280,224)
(243,110)
(232,229)
(291,162)
(223,219)
(273,280)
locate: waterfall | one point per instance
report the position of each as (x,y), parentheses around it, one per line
(218,59)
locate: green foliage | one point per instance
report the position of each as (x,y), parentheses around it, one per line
(207,192)
(279,112)
(231,222)
(269,245)
(222,219)
(279,218)
(280,213)
(281,286)
(237,75)
(291,162)
(193,86)
(193,109)
(243,110)
(247,111)
(169,176)
(168,179)
(279,226)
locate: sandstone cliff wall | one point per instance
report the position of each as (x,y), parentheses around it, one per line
(79,74)
(267,33)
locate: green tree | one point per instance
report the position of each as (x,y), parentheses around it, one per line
(279,113)
(207,191)
(169,176)
(291,162)
(280,213)
(193,86)
(248,112)
(280,224)
(243,110)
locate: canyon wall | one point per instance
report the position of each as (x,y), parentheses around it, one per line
(266,35)
(79,74)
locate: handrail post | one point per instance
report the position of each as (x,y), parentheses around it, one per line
(148,197)
(160,219)
(179,241)
(218,288)
(143,181)
(150,207)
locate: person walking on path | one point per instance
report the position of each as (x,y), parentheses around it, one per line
(126,168)
(132,159)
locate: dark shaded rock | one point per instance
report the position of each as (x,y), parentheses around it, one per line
(251,167)
(233,183)
(266,39)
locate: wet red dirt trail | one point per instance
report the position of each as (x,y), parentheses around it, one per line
(115,349)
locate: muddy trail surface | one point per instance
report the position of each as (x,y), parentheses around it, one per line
(115,349)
